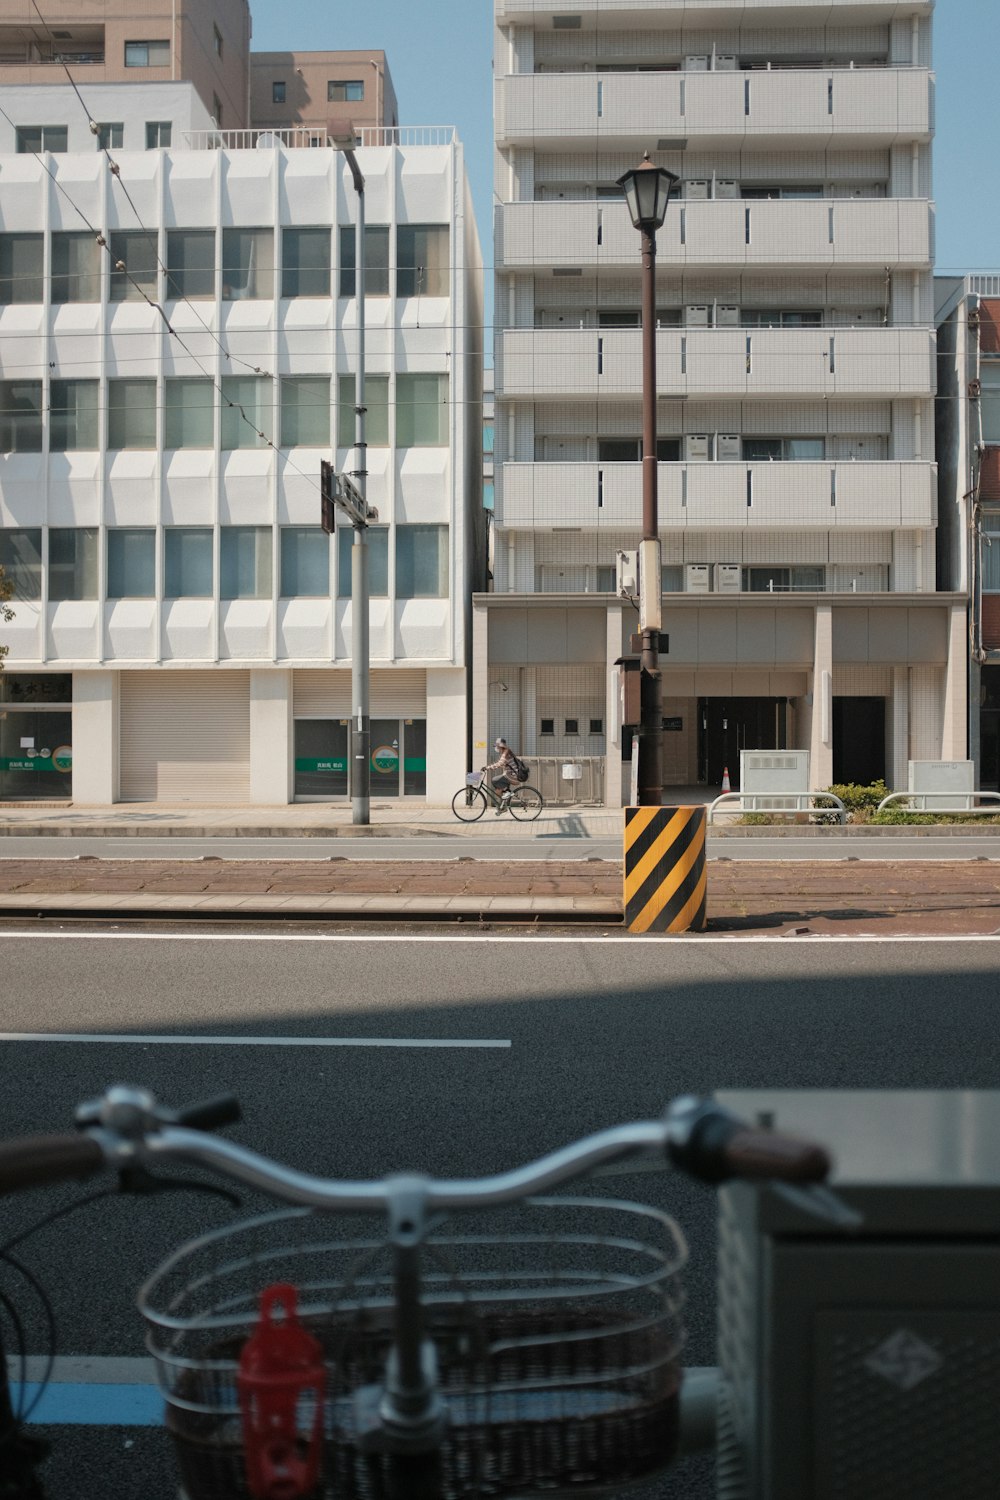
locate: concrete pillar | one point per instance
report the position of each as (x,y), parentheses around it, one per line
(447,761)
(898,758)
(821,734)
(954,727)
(612,713)
(480,684)
(95,738)
(271,737)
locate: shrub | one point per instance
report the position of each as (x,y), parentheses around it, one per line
(860,799)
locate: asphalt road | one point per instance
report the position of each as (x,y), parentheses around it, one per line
(599,1031)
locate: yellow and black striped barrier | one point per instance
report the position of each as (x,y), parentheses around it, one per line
(665,881)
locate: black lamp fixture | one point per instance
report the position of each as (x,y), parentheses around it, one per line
(647,190)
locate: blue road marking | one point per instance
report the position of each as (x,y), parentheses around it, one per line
(87,1404)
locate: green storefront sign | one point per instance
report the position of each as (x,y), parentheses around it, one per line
(42,760)
(308,766)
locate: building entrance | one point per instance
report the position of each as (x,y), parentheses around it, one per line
(729,725)
(858,740)
(36,737)
(324,759)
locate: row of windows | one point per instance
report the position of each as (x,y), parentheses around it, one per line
(245,562)
(110,136)
(338,90)
(190,411)
(749,449)
(247,269)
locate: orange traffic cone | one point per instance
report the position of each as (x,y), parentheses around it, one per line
(725,779)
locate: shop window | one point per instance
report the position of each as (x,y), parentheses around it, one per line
(73,415)
(191,263)
(421,562)
(135,252)
(305,563)
(20,416)
(378,561)
(247,265)
(72,562)
(245,562)
(421,411)
(131,563)
(21,560)
(187,562)
(188,413)
(376,260)
(305,262)
(131,414)
(376,416)
(76,269)
(21,268)
(422,260)
(246,412)
(305,411)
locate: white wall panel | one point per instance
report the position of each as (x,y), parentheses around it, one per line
(248,185)
(380,632)
(304,629)
(245,629)
(191,189)
(22,489)
(131,489)
(246,497)
(74,630)
(189,629)
(423,630)
(130,630)
(190,487)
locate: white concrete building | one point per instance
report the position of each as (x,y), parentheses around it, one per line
(796,377)
(182,622)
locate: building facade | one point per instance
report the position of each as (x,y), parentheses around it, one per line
(322,90)
(796,379)
(178,347)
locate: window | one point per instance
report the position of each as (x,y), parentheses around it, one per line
(158,134)
(772,450)
(147,54)
(73,562)
(305,262)
(548,726)
(305,411)
(618,317)
(597,726)
(76,269)
(32,138)
(247,264)
(421,411)
(131,414)
(187,562)
(73,415)
(668,450)
(132,563)
(191,263)
(246,411)
(811,317)
(572,726)
(21,268)
(376,417)
(782,580)
(110,137)
(245,562)
(135,252)
(21,560)
(488,498)
(217,40)
(217,109)
(989,375)
(278,91)
(421,562)
(755,194)
(422,260)
(305,562)
(378,561)
(349,90)
(376,260)
(189,414)
(487,438)
(20,416)
(618,450)
(990,551)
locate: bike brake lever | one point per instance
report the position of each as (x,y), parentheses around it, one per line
(820,1203)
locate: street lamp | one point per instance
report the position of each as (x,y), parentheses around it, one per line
(647,190)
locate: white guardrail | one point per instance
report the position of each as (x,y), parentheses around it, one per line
(919,801)
(793,802)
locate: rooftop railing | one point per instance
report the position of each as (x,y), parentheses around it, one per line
(316,137)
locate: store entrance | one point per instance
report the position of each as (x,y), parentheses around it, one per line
(36,737)
(324,759)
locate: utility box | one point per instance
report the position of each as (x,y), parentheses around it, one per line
(696,188)
(941,783)
(727,315)
(728,447)
(697,447)
(728,578)
(727,187)
(627,575)
(698,64)
(699,316)
(726,62)
(769,777)
(861,1363)
(697,578)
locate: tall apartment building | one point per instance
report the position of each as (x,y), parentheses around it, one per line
(178,352)
(796,376)
(322,90)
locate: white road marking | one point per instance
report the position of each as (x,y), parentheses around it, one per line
(521,939)
(110,1039)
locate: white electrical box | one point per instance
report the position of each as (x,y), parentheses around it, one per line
(627,575)
(697,578)
(696,64)
(726,187)
(727,447)
(769,777)
(697,447)
(696,188)
(728,578)
(941,783)
(726,62)
(697,317)
(727,316)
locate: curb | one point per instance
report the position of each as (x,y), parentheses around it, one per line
(358,908)
(181,831)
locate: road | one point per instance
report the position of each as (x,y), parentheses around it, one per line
(571,1032)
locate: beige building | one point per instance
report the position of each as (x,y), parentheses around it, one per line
(321,89)
(133,41)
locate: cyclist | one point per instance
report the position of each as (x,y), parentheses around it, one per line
(504,764)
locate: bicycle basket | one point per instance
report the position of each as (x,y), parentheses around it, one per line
(473,778)
(557,1324)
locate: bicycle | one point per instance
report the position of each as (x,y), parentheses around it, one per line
(524,802)
(537,1353)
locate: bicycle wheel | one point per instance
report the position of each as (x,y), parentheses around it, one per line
(469,803)
(525,803)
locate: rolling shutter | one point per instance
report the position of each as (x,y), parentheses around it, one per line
(185,737)
(395,693)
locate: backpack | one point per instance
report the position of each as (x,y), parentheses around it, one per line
(519,768)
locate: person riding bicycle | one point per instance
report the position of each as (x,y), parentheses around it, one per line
(506,779)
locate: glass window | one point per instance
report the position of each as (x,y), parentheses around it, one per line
(73,415)
(216,109)
(805,450)
(761,450)
(989,376)
(766,580)
(305,411)
(76,268)
(247,264)
(20,416)
(809,580)
(73,562)
(32,138)
(245,562)
(246,411)
(187,562)
(132,563)
(131,414)
(377,414)
(421,411)
(618,450)
(378,561)
(217,39)
(158,133)
(305,562)
(422,260)
(189,413)
(191,263)
(305,262)
(421,562)
(487,437)
(376,260)
(350,90)
(548,726)
(21,277)
(147,54)
(668,450)
(21,560)
(278,91)
(135,253)
(488,500)
(110,137)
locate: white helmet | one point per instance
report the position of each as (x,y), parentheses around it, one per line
(499,744)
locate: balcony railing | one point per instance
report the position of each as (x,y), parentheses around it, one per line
(311,137)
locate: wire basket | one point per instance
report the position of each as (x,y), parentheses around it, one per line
(558,1327)
(474,778)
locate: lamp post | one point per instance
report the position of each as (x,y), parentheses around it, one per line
(647,190)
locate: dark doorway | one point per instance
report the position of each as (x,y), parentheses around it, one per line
(728,725)
(858,740)
(989,750)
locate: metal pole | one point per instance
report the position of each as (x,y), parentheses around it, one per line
(360,680)
(651,694)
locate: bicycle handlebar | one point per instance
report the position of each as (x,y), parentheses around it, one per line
(43,1160)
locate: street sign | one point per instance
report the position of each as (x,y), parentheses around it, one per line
(337,492)
(327,512)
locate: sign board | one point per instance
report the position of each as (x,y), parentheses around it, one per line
(673,724)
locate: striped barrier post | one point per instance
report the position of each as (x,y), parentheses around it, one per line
(665,881)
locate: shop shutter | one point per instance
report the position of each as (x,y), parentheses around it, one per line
(395,693)
(185,737)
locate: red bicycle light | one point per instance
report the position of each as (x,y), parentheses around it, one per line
(281,1382)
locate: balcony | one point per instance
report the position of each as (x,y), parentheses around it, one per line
(762,110)
(888,496)
(834,232)
(549,364)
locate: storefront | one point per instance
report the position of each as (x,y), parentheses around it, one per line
(36,736)
(324,742)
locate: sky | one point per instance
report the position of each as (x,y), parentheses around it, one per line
(440,59)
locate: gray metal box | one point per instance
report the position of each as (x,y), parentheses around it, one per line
(866,1365)
(941,783)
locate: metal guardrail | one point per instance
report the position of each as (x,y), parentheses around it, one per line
(795,802)
(920,799)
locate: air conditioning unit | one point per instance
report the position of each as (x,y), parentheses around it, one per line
(696,65)
(726,187)
(728,447)
(697,447)
(727,316)
(728,578)
(698,317)
(627,575)
(696,188)
(726,62)
(697,578)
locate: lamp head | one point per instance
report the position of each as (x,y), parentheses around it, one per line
(647,190)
